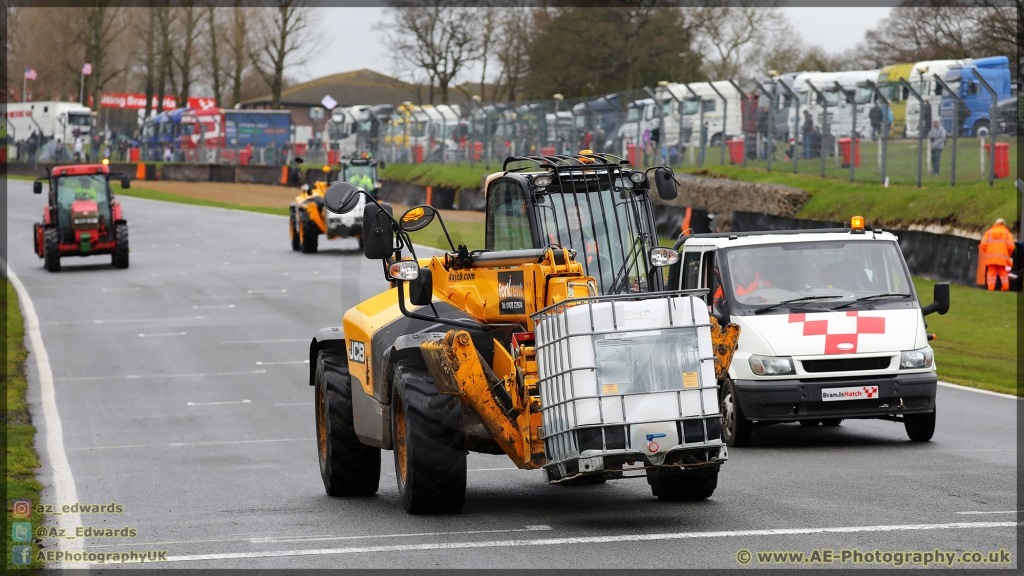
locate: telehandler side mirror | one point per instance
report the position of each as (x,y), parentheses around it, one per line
(378,236)
(421,289)
(126,183)
(37,187)
(341,197)
(416,218)
(665,180)
(940,300)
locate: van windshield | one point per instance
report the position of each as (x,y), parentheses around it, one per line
(821,275)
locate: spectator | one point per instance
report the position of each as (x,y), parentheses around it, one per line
(963,112)
(122,149)
(814,145)
(808,129)
(33,145)
(995,256)
(168,155)
(78,149)
(926,117)
(875,115)
(599,138)
(936,142)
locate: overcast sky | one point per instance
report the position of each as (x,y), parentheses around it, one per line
(354,43)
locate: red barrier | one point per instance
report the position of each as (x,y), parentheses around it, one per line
(1002,158)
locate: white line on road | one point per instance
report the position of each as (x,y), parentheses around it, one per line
(265,341)
(979,390)
(122,321)
(590,540)
(991,512)
(264,291)
(219,403)
(180,444)
(161,334)
(290,539)
(197,307)
(63,482)
(295,404)
(120,289)
(306,361)
(140,376)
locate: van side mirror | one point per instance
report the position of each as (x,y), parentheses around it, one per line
(421,290)
(665,180)
(126,183)
(940,300)
(37,187)
(378,236)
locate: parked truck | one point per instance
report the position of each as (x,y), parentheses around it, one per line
(49,120)
(978,101)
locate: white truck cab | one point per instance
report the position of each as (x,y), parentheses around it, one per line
(830,327)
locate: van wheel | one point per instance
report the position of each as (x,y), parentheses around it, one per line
(347,466)
(735,426)
(426,428)
(684,486)
(920,427)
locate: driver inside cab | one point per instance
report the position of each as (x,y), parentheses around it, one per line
(745,276)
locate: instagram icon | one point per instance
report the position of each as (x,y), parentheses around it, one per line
(21,508)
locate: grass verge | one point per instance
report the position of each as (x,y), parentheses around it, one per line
(976,341)
(443,175)
(168,197)
(22,460)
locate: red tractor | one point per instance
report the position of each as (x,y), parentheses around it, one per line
(81,217)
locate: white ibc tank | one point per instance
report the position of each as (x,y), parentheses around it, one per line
(624,362)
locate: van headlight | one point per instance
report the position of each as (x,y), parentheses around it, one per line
(920,358)
(771,365)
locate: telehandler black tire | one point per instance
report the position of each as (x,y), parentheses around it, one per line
(119,257)
(685,486)
(293,233)
(51,249)
(310,237)
(347,466)
(736,428)
(426,429)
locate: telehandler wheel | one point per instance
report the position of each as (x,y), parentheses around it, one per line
(293,233)
(426,428)
(119,257)
(309,237)
(51,249)
(920,427)
(735,426)
(348,467)
(686,486)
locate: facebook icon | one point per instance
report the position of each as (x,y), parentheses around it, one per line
(21,555)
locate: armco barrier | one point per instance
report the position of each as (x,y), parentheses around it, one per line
(222,173)
(270,175)
(941,257)
(185,172)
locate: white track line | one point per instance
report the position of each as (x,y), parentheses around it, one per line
(161,334)
(141,376)
(978,390)
(218,403)
(63,482)
(197,307)
(180,444)
(306,361)
(991,512)
(265,341)
(295,404)
(122,321)
(588,540)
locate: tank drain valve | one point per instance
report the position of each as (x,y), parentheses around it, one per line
(653,446)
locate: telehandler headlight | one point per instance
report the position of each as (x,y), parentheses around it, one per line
(638,177)
(405,270)
(542,181)
(664,257)
(771,365)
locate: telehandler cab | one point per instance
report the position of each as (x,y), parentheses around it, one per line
(555,345)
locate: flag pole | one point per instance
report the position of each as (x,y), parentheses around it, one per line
(81,88)
(24,86)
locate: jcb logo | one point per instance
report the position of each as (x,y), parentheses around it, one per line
(357,352)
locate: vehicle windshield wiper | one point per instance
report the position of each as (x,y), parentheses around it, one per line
(795,300)
(871,297)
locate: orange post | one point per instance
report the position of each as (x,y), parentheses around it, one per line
(140,171)
(284,175)
(430,189)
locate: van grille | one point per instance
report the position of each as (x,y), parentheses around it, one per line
(847,364)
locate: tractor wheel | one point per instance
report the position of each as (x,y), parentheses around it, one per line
(51,249)
(120,256)
(685,486)
(35,237)
(920,427)
(309,237)
(347,466)
(293,233)
(426,428)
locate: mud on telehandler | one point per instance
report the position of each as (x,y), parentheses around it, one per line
(556,345)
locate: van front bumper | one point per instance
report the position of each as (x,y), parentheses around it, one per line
(788,400)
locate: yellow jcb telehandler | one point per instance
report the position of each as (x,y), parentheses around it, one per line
(555,344)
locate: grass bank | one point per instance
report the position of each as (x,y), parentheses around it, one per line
(22,460)
(168,197)
(443,175)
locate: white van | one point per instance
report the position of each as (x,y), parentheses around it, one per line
(341,129)
(50,119)
(830,327)
(713,112)
(923,80)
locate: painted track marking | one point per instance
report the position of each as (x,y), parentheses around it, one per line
(180,444)
(979,390)
(158,335)
(142,376)
(265,341)
(306,361)
(64,491)
(246,401)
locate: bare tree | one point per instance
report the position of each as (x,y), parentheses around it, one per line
(184,53)
(283,40)
(96,30)
(165,60)
(238,43)
(488,27)
(512,52)
(738,36)
(438,37)
(151,60)
(214,56)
